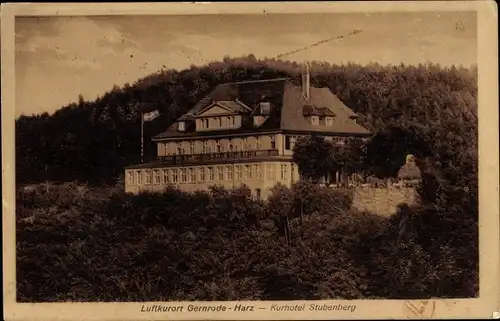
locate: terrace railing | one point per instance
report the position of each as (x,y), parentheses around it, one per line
(214,157)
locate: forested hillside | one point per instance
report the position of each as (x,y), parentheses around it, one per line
(414,109)
(101,246)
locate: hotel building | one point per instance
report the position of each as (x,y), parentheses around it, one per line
(244,133)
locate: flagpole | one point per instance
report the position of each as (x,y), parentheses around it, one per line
(142,137)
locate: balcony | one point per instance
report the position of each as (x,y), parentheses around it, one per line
(216,157)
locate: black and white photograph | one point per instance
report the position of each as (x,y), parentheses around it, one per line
(266,164)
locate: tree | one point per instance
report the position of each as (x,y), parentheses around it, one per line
(314,156)
(350,157)
(387,150)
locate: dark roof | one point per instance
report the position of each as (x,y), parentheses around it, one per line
(310,110)
(292,117)
(286,108)
(325,111)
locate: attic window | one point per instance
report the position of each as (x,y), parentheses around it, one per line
(314,120)
(329,120)
(182,126)
(265,108)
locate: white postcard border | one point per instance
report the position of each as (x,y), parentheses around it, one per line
(484,306)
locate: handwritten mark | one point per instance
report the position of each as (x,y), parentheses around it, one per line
(421,309)
(356,31)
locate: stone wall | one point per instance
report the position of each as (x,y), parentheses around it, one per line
(382,200)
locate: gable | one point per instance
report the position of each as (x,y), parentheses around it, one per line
(215,110)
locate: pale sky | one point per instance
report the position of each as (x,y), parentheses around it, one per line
(58,58)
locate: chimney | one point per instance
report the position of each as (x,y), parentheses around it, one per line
(305,81)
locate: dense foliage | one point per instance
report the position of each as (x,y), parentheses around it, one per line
(82,244)
(303,243)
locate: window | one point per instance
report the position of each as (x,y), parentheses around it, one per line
(211,174)
(175,176)
(192,175)
(284,171)
(257,192)
(205,147)
(314,120)
(290,142)
(139,177)
(166,176)
(148,177)
(181,126)
(219,173)
(245,144)
(248,172)
(232,121)
(191,147)
(252,143)
(229,171)
(295,171)
(217,146)
(219,122)
(258,171)
(273,142)
(228,121)
(238,172)
(130,176)
(157,177)
(271,171)
(258,143)
(329,121)
(231,147)
(202,174)
(179,149)
(204,123)
(183,175)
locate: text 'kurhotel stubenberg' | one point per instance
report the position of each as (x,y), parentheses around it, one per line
(248,308)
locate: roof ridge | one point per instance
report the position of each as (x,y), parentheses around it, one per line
(255,81)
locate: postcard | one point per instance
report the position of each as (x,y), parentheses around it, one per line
(250,161)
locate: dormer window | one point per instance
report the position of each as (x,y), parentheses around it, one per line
(328,120)
(219,122)
(182,126)
(265,108)
(314,120)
